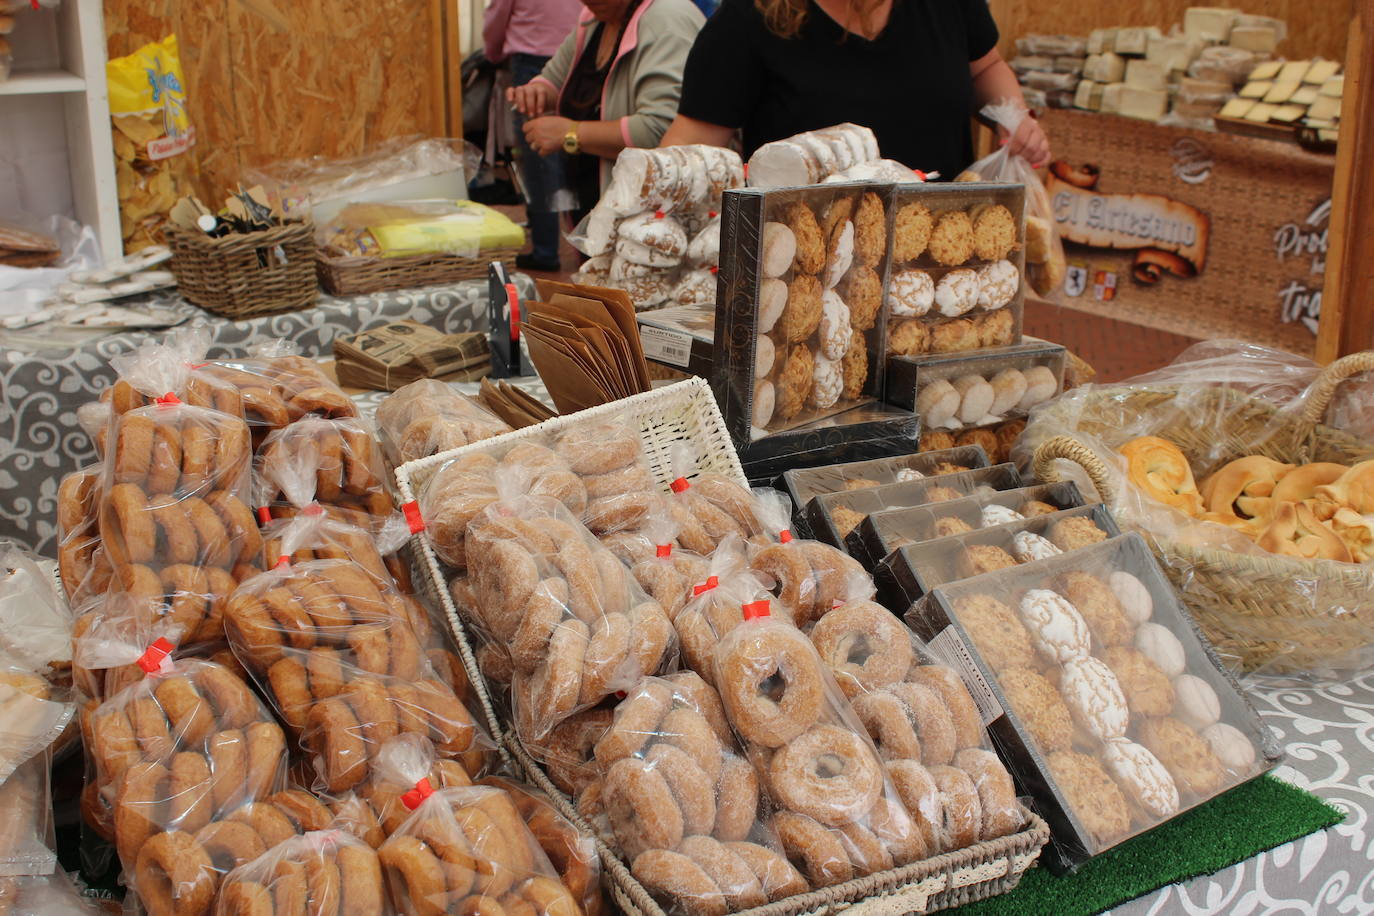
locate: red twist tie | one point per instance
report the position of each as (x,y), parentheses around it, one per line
(663,550)
(756,609)
(715,269)
(313,510)
(785,536)
(706,586)
(681,485)
(920,175)
(711,214)
(195,366)
(153,657)
(167,400)
(836,603)
(264,515)
(513,300)
(416,796)
(659,214)
(282,560)
(620,694)
(411,510)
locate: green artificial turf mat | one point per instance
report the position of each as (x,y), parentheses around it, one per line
(1250,819)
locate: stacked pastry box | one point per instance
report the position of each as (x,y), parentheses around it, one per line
(1109,707)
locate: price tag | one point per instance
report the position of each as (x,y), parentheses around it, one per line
(664,346)
(951,649)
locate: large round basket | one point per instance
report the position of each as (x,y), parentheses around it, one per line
(1284,614)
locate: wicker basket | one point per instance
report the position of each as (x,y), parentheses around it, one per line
(244,275)
(1284,614)
(351,275)
(665,416)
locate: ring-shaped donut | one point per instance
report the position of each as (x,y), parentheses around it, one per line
(757,659)
(934,725)
(694,791)
(828,773)
(889,725)
(815,851)
(191,716)
(864,645)
(731,874)
(415,875)
(963,816)
(230,844)
(968,723)
(174,875)
(228,753)
(605,658)
(192,803)
(641,808)
(371,703)
(681,880)
(688,730)
(361,872)
(266,757)
(336,735)
(777,876)
(653,635)
(556,685)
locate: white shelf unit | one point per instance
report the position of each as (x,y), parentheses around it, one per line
(77,85)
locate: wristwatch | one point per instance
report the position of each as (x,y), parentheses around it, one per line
(571,145)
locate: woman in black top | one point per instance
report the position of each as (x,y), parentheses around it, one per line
(911,70)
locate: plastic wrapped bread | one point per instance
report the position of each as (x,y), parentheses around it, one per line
(811,157)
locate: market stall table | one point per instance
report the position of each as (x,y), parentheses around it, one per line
(45,376)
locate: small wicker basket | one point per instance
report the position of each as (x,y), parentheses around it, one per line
(1284,614)
(351,275)
(244,275)
(688,410)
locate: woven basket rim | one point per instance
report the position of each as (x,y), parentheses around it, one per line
(325,257)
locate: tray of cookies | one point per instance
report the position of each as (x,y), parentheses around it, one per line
(833,517)
(883,532)
(997,440)
(910,573)
(958,264)
(1116,714)
(805,484)
(979,389)
(799,329)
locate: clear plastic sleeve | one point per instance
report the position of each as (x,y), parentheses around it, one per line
(173,366)
(465,849)
(51,895)
(400,764)
(321,871)
(666,572)
(35,619)
(807,577)
(281,389)
(317,533)
(26,820)
(712,608)
(708,507)
(31,718)
(427,417)
(609,459)
(334,462)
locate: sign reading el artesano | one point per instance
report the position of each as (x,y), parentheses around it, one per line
(1202,234)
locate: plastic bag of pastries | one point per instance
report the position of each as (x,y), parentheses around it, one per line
(571,852)
(427,417)
(834,807)
(608,457)
(323,871)
(807,577)
(712,608)
(278,390)
(173,366)
(35,618)
(333,462)
(81,562)
(52,894)
(31,716)
(26,819)
(317,533)
(567,752)
(464,849)
(466,485)
(925,724)
(682,802)
(578,626)
(666,571)
(708,507)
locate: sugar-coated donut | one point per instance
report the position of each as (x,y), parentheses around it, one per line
(335,734)
(653,633)
(689,731)
(567,751)
(140,810)
(865,646)
(360,872)
(932,719)
(556,685)
(693,790)
(636,718)
(967,721)
(191,716)
(191,802)
(151,728)
(174,875)
(866,852)
(641,807)
(702,697)
(921,796)
(737,799)
(731,874)
(230,844)
(791,573)
(963,816)
(267,821)
(290,893)
(889,725)
(755,657)
(680,879)
(415,876)
(1000,812)
(777,876)
(814,850)
(234,704)
(828,773)
(228,754)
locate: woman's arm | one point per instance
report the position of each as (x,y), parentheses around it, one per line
(685,131)
(599,138)
(994,81)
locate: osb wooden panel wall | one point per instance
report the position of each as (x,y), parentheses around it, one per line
(1315,27)
(282,79)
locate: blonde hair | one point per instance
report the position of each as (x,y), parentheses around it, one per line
(785,18)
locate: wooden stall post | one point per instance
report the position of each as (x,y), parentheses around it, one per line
(1347,316)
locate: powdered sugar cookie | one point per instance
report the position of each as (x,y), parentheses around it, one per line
(828,381)
(834,330)
(956,293)
(772,300)
(839,254)
(1145,780)
(1056,627)
(764,354)
(779,248)
(997,284)
(1094,698)
(912,293)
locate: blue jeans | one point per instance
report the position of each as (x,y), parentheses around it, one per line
(542,175)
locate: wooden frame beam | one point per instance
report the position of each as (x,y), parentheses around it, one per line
(1347,317)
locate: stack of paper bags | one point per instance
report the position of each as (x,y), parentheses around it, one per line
(584,343)
(516,406)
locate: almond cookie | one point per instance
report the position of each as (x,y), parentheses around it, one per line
(909,338)
(863,291)
(982,558)
(803,310)
(1091,794)
(994,232)
(1148,690)
(936,440)
(846,520)
(1073,533)
(1040,707)
(855,367)
(911,234)
(794,383)
(1094,698)
(810,243)
(954,336)
(951,242)
(870,230)
(1099,607)
(1188,757)
(995,329)
(1142,777)
(1003,641)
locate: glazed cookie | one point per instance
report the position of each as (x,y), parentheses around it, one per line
(951,242)
(999,515)
(870,230)
(803,312)
(1189,758)
(1144,779)
(772,302)
(1099,607)
(911,234)
(827,382)
(994,232)
(863,290)
(1040,707)
(911,292)
(855,367)
(1055,625)
(1092,795)
(779,249)
(1029,547)
(1094,697)
(997,285)
(956,293)
(807,232)
(909,338)
(999,636)
(834,329)
(794,384)
(1148,691)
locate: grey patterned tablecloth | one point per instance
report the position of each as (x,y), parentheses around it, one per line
(1328,734)
(45,377)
